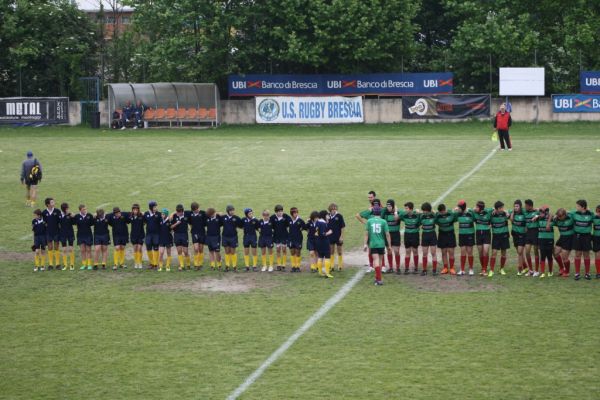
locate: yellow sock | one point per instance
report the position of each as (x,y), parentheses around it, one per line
(212,264)
(340,261)
(186,260)
(313,267)
(121,256)
(283,260)
(234,260)
(263,258)
(181,264)
(327,266)
(254,261)
(116,257)
(219,263)
(49,252)
(278,260)
(200,258)
(72,259)
(227,260)
(160,263)
(36,260)
(331,260)
(156,256)
(65,259)
(89,262)
(246,261)
(168,261)
(320,266)
(271,259)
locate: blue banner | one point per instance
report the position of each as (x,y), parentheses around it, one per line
(347,85)
(575,103)
(589,82)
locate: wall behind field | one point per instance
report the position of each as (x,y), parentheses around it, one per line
(382,111)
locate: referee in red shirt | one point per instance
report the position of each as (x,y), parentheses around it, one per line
(502,123)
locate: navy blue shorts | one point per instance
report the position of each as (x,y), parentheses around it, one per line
(87,240)
(230,241)
(213,243)
(334,240)
(310,244)
(52,237)
(137,239)
(67,240)
(152,239)
(280,241)
(294,244)
(323,249)
(40,242)
(165,242)
(120,240)
(198,238)
(101,240)
(250,241)
(265,242)
(181,239)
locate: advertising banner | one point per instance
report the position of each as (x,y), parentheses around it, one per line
(48,110)
(575,103)
(346,85)
(309,110)
(446,107)
(589,82)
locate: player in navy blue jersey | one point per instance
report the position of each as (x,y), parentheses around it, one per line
(152,220)
(197,222)
(137,234)
(322,232)
(120,235)
(38,226)
(181,238)
(67,236)
(84,222)
(336,239)
(250,242)
(311,229)
(213,237)
(101,239)
(165,240)
(297,225)
(265,240)
(231,223)
(281,223)
(51,216)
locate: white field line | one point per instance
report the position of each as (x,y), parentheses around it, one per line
(102,205)
(329,304)
(134,193)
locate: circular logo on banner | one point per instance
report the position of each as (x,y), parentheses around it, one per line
(268,110)
(420,107)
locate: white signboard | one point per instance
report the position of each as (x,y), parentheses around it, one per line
(309,110)
(522,82)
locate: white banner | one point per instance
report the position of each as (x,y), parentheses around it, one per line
(309,110)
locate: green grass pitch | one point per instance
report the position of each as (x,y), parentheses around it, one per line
(144,335)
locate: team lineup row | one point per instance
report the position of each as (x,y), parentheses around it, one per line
(531,229)
(160,231)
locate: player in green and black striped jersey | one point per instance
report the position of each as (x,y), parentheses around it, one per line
(531,237)
(411,222)
(390,215)
(446,238)
(428,237)
(466,235)
(518,231)
(500,240)
(562,249)
(483,238)
(545,240)
(582,243)
(596,240)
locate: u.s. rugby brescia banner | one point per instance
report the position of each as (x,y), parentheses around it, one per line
(309,110)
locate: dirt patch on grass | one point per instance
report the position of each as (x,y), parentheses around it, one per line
(449,284)
(15,256)
(234,283)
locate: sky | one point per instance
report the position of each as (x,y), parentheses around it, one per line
(95,4)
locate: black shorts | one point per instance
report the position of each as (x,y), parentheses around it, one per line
(466,239)
(181,239)
(265,242)
(395,236)
(446,240)
(335,240)
(411,240)
(67,241)
(280,241)
(40,242)
(250,241)
(101,240)
(31,182)
(531,237)
(596,243)
(152,239)
(87,240)
(483,237)
(198,238)
(582,242)
(546,247)
(428,239)
(52,237)
(136,239)
(377,250)
(500,241)
(565,242)
(120,240)
(310,244)
(213,243)
(294,244)
(165,242)
(518,239)
(230,241)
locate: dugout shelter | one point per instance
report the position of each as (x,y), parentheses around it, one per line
(169,104)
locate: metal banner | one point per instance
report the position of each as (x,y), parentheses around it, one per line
(45,110)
